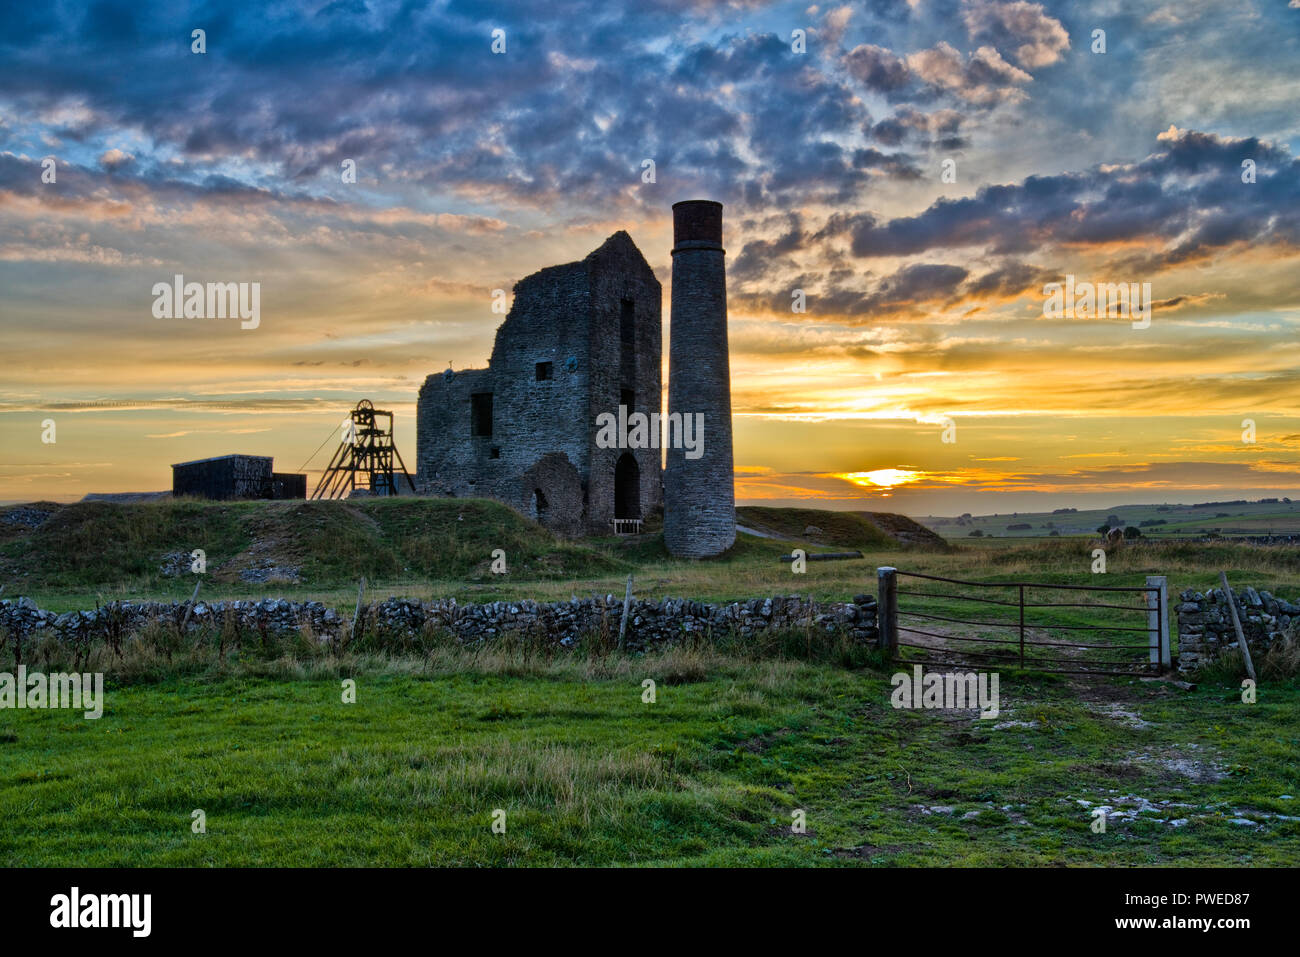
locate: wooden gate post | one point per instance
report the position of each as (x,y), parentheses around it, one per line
(887,608)
(1158,619)
(1236,624)
(622,622)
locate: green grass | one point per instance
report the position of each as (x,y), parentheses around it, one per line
(93,551)
(412,547)
(740,736)
(1246,518)
(837,528)
(426,548)
(588,774)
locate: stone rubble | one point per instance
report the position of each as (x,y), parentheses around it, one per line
(25,516)
(1134,807)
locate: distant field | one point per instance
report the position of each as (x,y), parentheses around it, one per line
(1255,518)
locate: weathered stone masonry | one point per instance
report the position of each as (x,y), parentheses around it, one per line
(699,494)
(579,339)
(1205,624)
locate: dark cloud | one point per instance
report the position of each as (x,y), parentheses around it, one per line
(579,99)
(919,282)
(1007,280)
(1189,194)
(759,257)
(1034,38)
(939,128)
(586,92)
(910,291)
(982,78)
(877,68)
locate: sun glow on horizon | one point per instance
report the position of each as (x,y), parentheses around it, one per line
(882,478)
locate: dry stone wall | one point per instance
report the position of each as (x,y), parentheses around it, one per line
(650,623)
(1205,624)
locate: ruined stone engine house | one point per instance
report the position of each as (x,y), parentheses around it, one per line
(580,339)
(584,341)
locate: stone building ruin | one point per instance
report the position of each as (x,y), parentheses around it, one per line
(580,341)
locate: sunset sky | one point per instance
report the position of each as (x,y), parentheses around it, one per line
(925,302)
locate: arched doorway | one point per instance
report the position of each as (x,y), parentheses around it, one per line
(627,487)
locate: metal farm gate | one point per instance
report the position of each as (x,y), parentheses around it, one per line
(1011,624)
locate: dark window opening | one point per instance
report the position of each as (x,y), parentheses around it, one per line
(544,370)
(480,414)
(627,324)
(627,398)
(495,453)
(627,487)
(539,502)
(627,342)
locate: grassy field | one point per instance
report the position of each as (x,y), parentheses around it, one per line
(423,548)
(1276,517)
(587,773)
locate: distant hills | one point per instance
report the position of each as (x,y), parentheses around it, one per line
(1237,517)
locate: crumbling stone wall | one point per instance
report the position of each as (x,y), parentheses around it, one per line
(1205,624)
(618,272)
(554,488)
(570,317)
(650,623)
(450,460)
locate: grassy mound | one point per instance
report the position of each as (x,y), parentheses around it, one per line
(904,530)
(316,544)
(847,529)
(90,543)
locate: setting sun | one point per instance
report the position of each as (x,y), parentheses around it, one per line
(883,478)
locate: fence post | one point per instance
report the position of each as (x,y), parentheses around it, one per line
(887,608)
(356,616)
(189,609)
(1236,624)
(1158,620)
(622,623)
(1022,626)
